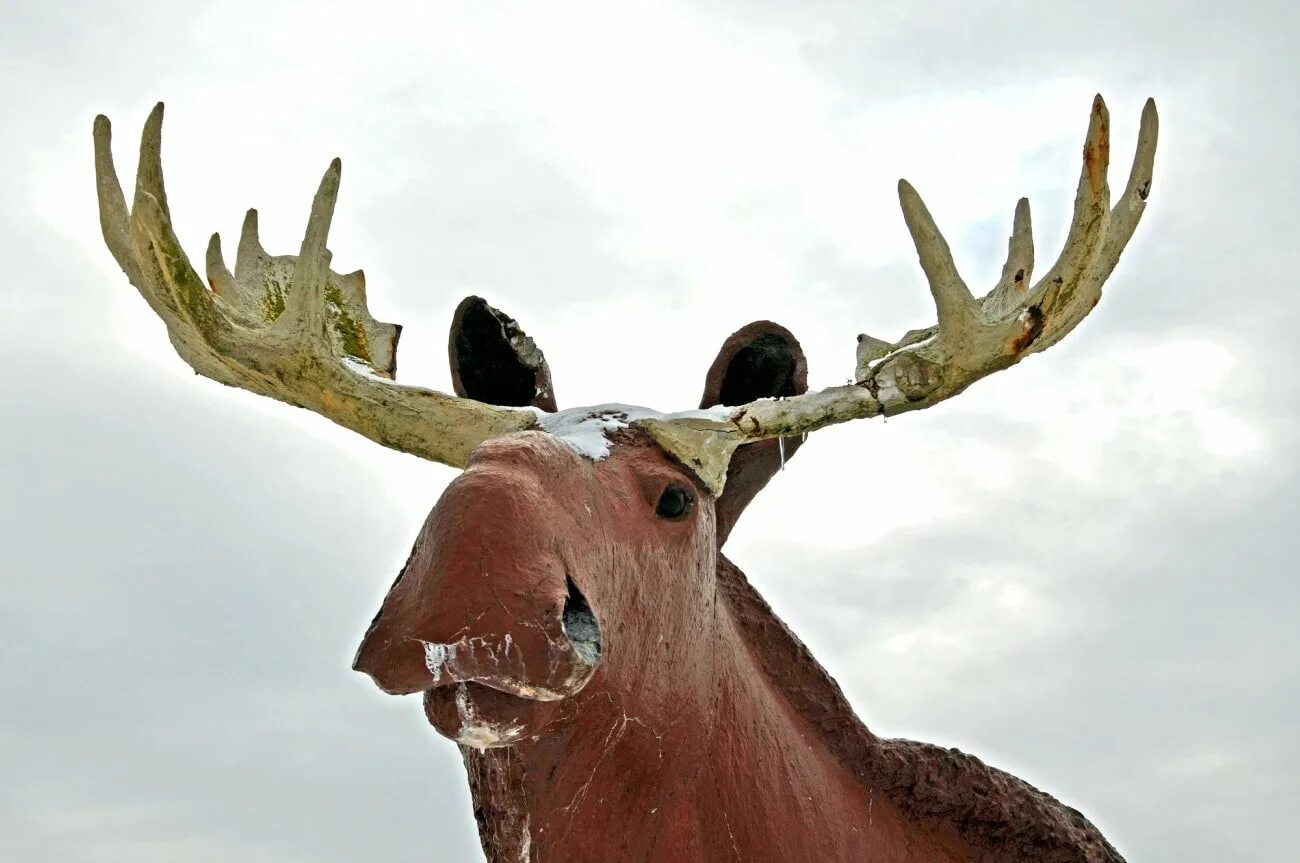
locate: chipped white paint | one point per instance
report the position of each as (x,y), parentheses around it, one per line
(612,739)
(477,732)
(526,840)
(436,658)
(501,666)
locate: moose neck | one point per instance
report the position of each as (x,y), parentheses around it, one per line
(736,775)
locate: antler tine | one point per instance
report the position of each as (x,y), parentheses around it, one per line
(121,227)
(114,219)
(1127,212)
(168,273)
(952,299)
(1016,272)
(974,338)
(249,255)
(304,310)
(1057,295)
(149,173)
(1091,201)
(220,279)
(284,327)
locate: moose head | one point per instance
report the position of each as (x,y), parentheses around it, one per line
(618,689)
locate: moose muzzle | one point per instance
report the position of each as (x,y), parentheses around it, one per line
(487,596)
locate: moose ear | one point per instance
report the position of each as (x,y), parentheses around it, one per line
(760,360)
(494,361)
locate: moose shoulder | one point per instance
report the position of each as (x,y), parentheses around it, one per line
(618,689)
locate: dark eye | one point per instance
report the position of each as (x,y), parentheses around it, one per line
(674,502)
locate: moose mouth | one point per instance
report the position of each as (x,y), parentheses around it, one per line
(500,709)
(501,665)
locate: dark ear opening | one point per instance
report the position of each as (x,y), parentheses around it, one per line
(494,361)
(760,367)
(760,360)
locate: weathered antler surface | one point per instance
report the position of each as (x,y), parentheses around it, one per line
(283,326)
(973,338)
(292,329)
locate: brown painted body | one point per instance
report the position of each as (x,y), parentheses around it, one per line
(704,732)
(618,689)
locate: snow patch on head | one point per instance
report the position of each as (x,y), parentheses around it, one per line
(586,430)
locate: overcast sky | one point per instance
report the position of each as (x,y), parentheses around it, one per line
(1083,570)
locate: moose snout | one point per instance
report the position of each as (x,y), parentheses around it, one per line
(542,657)
(486,596)
(542,643)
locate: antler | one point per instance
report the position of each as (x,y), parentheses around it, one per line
(285,327)
(292,329)
(973,338)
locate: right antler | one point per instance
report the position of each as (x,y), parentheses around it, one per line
(285,327)
(973,338)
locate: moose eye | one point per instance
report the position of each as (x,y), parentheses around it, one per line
(674,502)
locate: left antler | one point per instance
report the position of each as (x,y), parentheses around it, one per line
(973,338)
(285,327)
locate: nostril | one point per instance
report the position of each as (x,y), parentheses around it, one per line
(580,625)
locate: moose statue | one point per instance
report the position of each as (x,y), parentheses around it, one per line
(618,689)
